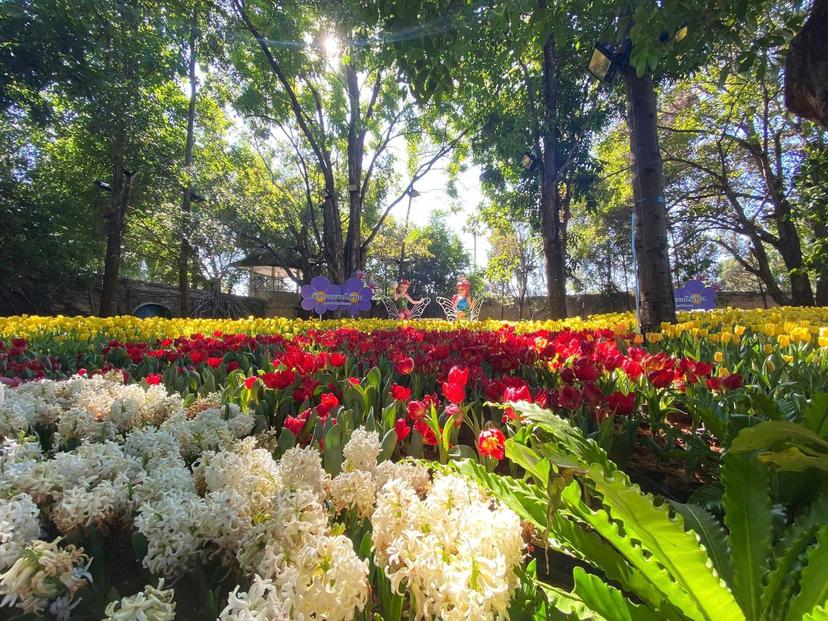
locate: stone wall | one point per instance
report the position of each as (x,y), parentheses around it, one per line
(79,299)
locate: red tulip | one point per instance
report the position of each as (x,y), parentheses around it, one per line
(214,362)
(249,382)
(400,393)
(429,438)
(153,379)
(517,394)
(585,370)
(327,402)
(402,428)
(404,366)
(278,380)
(455,393)
(621,404)
(492,443)
(337,359)
(416,409)
(662,378)
(294,425)
(732,381)
(569,398)
(458,376)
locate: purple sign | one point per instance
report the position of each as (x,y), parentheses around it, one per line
(320,296)
(695,296)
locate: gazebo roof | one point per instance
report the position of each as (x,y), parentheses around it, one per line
(266,257)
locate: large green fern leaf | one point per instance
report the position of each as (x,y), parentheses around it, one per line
(711,534)
(813,584)
(747,507)
(798,536)
(677,550)
(570,605)
(609,601)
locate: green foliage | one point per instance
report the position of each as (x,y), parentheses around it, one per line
(669,565)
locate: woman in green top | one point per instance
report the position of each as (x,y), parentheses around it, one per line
(402,299)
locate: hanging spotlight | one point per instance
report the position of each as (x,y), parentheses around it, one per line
(603,63)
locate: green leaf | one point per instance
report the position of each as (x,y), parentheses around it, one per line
(659,547)
(570,604)
(813,584)
(711,534)
(747,506)
(815,414)
(286,441)
(795,459)
(819,613)
(373,379)
(569,536)
(389,443)
(765,435)
(529,460)
(608,601)
(332,455)
(798,536)
(655,543)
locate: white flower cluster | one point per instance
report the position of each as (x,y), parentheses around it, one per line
(302,570)
(356,487)
(151,604)
(82,408)
(454,552)
(19,527)
(46,575)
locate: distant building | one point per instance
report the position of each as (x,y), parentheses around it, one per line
(267,273)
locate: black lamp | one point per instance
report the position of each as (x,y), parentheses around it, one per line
(527,160)
(103,186)
(603,63)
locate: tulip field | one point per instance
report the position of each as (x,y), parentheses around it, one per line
(266,469)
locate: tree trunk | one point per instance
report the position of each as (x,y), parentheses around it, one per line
(121,188)
(550,200)
(186,202)
(806,68)
(356,149)
(821,296)
(791,250)
(401,267)
(763,271)
(657,303)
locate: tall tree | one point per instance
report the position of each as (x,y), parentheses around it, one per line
(187,198)
(524,95)
(344,106)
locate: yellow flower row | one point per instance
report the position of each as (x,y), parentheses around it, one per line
(786,325)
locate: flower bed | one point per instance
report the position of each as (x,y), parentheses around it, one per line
(286,469)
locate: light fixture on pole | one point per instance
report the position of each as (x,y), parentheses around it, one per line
(412,193)
(103,186)
(604,63)
(324,194)
(528,161)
